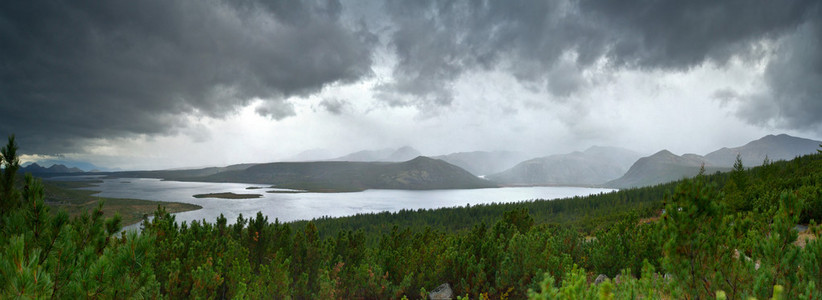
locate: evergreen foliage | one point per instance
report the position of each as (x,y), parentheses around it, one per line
(10,163)
(702,245)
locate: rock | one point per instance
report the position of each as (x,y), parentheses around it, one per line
(600,279)
(441,292)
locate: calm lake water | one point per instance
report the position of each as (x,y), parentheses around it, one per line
(305,206)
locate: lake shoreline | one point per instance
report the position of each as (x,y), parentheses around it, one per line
(294,205)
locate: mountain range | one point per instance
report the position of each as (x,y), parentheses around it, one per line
(594,166)
(665,166)
(403,168)
(774,147)
(35,168)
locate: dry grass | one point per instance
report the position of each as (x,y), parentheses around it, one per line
(804,237)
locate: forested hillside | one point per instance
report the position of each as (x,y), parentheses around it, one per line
(421,173)
(718,235)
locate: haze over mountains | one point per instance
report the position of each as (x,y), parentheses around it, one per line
(594,166)
(482,163)
(404,168)
(477,162)
(388,154)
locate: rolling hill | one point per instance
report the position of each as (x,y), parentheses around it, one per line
(421,173)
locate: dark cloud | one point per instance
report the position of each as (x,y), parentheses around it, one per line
(794,78)
(77,70)
(71,70)
(683,34)
(437,41)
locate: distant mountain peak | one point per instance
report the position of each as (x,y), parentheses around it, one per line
(663,152)
(54,168)
(403,153)
(422,158)
(661,167)
(388,154)
(774,147)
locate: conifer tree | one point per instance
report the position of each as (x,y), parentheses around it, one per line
(692,226)
(10,163)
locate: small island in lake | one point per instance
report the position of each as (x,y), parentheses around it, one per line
(286,191)
(228,196)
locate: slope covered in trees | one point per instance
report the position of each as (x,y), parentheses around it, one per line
(720,235)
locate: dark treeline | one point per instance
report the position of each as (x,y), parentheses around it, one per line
(721,235)
(582,213)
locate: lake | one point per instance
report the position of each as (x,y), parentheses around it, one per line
(305,206)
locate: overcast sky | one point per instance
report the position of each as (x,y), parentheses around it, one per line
(174,83)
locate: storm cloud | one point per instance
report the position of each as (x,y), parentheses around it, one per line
(794,78)
(89,69)
(553,42)
(72,71)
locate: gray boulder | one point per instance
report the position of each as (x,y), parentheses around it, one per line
(442,292)
(600,279)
